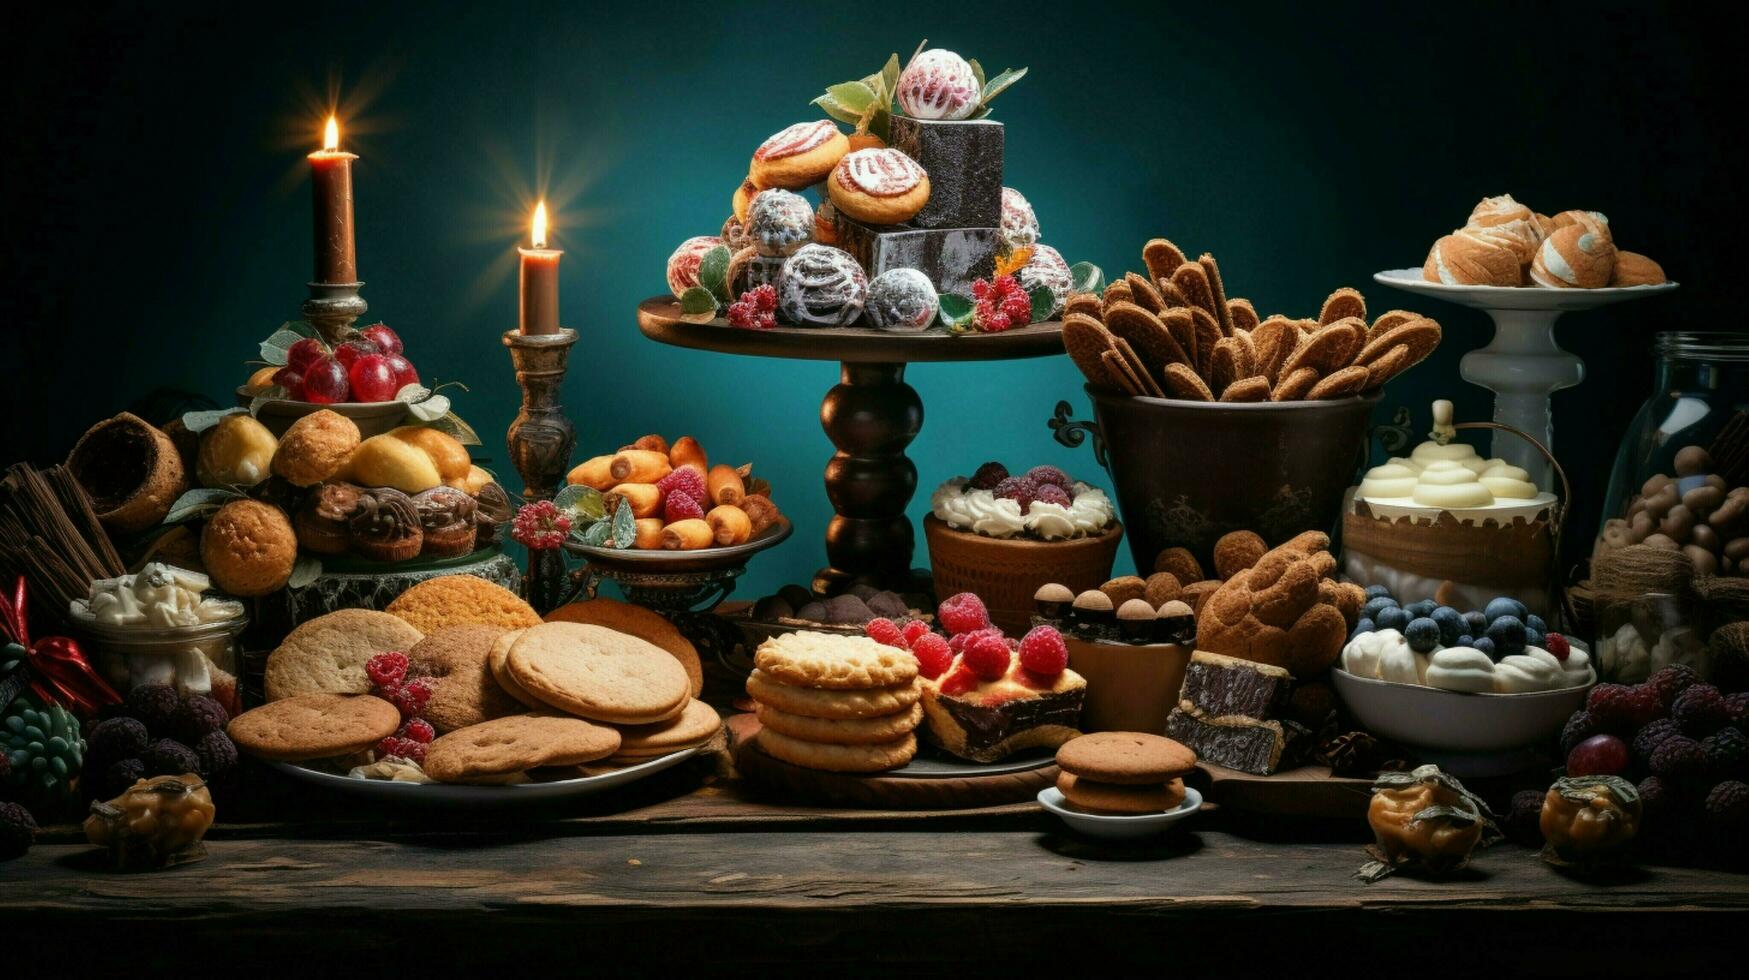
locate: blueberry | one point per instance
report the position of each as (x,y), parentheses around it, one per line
(1372,606)
(1507,633)
(1423,635)
(1423,608)
(1485,645)
(1475,622)
(1364,626)
(1504,606)
(1392,618)
(1451,625)
(1464,641)
(1532,638)
(1535,624)
(1378,592)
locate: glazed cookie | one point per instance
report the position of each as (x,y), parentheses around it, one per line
(597,673)
(498,660)
(623,617)
(1019,224)
(879,187)
(1126,758)
(249,548)
(799,156)
(462,600)
(456,662)
(494,749)
(821,286)
(902,299)
(326,655)
(696,724)
(938,84)
(1097,797)
(314,726)
(834,662)
(779,222)
(315,448)
(1046,268)
(838,758)
(813,703)
(683,264)
(842,731)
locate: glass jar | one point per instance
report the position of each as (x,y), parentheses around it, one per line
(1681,477)
(1638,634)
(200,659)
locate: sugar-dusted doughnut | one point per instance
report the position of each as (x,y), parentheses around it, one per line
(683,264)
(798,156)
(1046,268)
(878,186)
(821,286)
(938,84)
(1466,260)
(902,299)
(779,222)
(1019,224)
(1579,255)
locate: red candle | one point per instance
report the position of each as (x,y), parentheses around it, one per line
(540,279)
(331,179)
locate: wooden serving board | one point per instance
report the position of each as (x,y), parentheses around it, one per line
(1308,792)
(880,790)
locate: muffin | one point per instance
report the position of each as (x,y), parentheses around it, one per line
(492,511)
(324,521)
(132,472)
(315,448)
(446,519)
(249,548)
(386,525)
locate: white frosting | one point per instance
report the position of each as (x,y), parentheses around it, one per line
(1526,672)
(1385,655)
(798,138)
(1449,475)
(880,171)
(1556,264)
(159,595)
(1463,669)
(1088,512)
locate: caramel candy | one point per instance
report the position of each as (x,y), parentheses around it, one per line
(156,823)
(1589,820)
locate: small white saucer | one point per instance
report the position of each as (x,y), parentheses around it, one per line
(1113,826)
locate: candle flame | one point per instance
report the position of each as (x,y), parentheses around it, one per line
(331,134)
(539,235)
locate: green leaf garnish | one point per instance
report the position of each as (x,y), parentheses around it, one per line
(595,535)
(586,505)
(277,393)
(306,570)
(198,422)
(713,274)
(855,96)
(625,527)
(890,76)
(698,305)
(957,312)
(1085,277)
(1044,303)
(452,424)
(996,86)
(199,502)
(977,72)
(276,349)
(832,108)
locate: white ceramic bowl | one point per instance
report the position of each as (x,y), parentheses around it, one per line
(1453,722)
(1112,826)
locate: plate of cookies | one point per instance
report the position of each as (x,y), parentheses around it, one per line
(1122,785)
(462,694)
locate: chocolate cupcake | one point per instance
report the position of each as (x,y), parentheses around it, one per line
(386,525)
(446,521)
(1175,622)
(324,521)
(1135,621)
(492,511)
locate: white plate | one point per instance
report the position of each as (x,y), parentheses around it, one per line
(1517,297)
(464,795)
(1503,510)
(1113,826)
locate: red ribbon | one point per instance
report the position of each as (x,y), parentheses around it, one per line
(56,669)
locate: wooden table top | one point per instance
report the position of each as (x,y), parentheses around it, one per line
(694,866)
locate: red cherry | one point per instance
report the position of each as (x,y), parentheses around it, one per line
(405,374)
(353,349)
(373,380)
(385,339)
(1599,755)
(292,380)
(325,382)
(300,354)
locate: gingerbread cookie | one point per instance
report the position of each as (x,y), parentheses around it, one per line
(816,703)
(879,730)
(838,758)
(623,617)
(878,186)
(1126,758)
(455,661)
(326,655)
(489,751)
(594,672)
(1097,797)
(798,156)
(462,600)
(832,661)
(314,726)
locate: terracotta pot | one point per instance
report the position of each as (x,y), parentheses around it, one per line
(1186,473)
(1130,688)
(1005,572)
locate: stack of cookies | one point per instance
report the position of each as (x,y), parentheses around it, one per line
(1127,773)
(838,703)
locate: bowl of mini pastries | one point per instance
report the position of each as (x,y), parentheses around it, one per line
(1132,639)
(1471,681)
(1122,785)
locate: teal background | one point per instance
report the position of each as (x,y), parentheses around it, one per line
(157,206)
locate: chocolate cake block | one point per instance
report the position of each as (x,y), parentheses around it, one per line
(963,159)
(951,257)
(1216,685)
(1246,744)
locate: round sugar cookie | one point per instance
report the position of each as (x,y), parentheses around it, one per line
(838,758)
(597,673)
(695,724)
(498,662)
(842,731)
(326,655)
(832,661)
(462,600)
(314,726)
(623,617)
(814,703)
(1088,794)
(491,750)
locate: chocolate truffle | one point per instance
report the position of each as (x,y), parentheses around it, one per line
(1124,588)
(1135,621)
(1052,601)
(1093,614)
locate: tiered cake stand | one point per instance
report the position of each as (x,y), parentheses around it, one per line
(871,415)
(1523,365)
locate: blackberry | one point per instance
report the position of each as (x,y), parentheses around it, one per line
(1700,710)
(1580,727)
(1737,705)
(1727,753)
(17,830)
(120,775)
(117,738)
(988,476)
(217,755)
(1672,680)
(1680,760)
(1727,820)
(1524,820)
(1654,800)
(1619,708)
(197,716)
(167,757)
(155,705)
(1652,736)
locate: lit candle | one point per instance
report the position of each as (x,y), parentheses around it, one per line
(331,179)
(540,279)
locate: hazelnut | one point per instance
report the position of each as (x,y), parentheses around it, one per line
(1236,551)
(1737,549)
(1704,536)
(1653,484)
(1678,523)
(1181,563)
(1703,500)
(1124,588)
(1660,541)
(1705,563)
(1691,460)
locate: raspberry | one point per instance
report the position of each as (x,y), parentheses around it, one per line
(1727,811)
(764,297)
(1700,710)
(1557,646)
(1000,304)
(1727,753)
(687,480)
(914,630)
(114,739)
(958,643)
(933,655)
(988,656)
(1050,493)
(386,669)
(1043,652)
(408,698)
(1652,736)
(1018,489)
(1623,709)
(418,729)
(755,310)
(1680,760)
(962,613)
(959,680)
(1672,680)
(886,632)
(540,526)
(679,507)
(988,476)
(1579,728)
(402,748)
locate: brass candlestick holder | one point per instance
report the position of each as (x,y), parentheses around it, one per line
(540,440)
(332,309)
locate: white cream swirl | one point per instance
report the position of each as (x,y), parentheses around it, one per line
(1088,512)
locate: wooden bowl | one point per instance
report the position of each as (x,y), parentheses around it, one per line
(372,418)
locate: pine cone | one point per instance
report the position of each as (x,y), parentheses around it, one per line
(43,744)
(1350,754)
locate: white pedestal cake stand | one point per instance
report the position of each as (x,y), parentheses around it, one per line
(1523,365)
